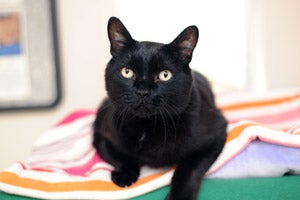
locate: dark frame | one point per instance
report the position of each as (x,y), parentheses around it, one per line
(56,91)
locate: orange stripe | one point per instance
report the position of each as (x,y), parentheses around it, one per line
(296,133)
(235,132)
(97,185)
(259,103)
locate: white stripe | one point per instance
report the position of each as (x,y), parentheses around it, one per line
(56,164)
(69,153)
(61,132)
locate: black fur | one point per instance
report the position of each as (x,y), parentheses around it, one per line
(147,121)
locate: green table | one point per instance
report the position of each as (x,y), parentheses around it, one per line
(277,188)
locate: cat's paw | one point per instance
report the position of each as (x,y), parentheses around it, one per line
(124,178)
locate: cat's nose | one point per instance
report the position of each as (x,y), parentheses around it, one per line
(142,93)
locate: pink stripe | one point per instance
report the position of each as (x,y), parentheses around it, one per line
(82,169)
(98,169)
(22,165)
(273,118)
(39,169)
(76,115)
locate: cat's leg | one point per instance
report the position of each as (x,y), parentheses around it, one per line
(127,169)
(189,174)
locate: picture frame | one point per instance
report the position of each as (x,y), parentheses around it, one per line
(29,55)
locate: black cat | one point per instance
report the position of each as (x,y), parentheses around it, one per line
(158,112)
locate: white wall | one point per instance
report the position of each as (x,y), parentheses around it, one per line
(282,43)
(221,48)
(273,44)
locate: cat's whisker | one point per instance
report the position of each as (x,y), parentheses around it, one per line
(104,107)
(155,120)
(172,120)
(165,127)
(174,107)
(121,118)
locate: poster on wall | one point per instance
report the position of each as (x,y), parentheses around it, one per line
(29,65)
(14,71)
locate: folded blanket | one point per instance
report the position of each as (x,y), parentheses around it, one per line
(277,109)
(64,165)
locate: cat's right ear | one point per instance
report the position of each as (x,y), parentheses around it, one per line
(185,43)
(118,35)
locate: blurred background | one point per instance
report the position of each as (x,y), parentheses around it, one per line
(244,45)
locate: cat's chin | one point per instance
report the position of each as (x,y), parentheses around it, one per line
(143,112)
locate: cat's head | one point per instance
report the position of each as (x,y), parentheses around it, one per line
(147,78)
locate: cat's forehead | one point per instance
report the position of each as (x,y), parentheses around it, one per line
(148,53)
(149,49)
(148,58)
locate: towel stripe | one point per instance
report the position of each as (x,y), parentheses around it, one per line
(68,186)
(260,103)
(236,131)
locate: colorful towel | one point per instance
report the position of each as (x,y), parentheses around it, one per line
(276,109)
(63,164)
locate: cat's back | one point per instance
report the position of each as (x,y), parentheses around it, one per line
(203,87)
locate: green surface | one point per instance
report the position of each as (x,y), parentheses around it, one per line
(280,188)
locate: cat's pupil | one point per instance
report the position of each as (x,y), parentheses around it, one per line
(166,74)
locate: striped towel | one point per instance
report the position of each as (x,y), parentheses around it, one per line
(276,109)
(64,165)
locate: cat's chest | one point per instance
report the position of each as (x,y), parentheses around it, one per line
(159,151)
(139,139)
(156,145)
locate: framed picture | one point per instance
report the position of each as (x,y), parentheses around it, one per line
(29,62)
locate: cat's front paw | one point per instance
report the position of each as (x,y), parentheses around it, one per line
(124,178)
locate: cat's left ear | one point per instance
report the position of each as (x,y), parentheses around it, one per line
(185,43)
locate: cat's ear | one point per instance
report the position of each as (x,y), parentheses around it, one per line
(185,43)
(118,35)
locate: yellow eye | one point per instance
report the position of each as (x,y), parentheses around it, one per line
(127,73)
(165,75)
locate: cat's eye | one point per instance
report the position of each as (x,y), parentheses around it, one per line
(127,73)
(165,75)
